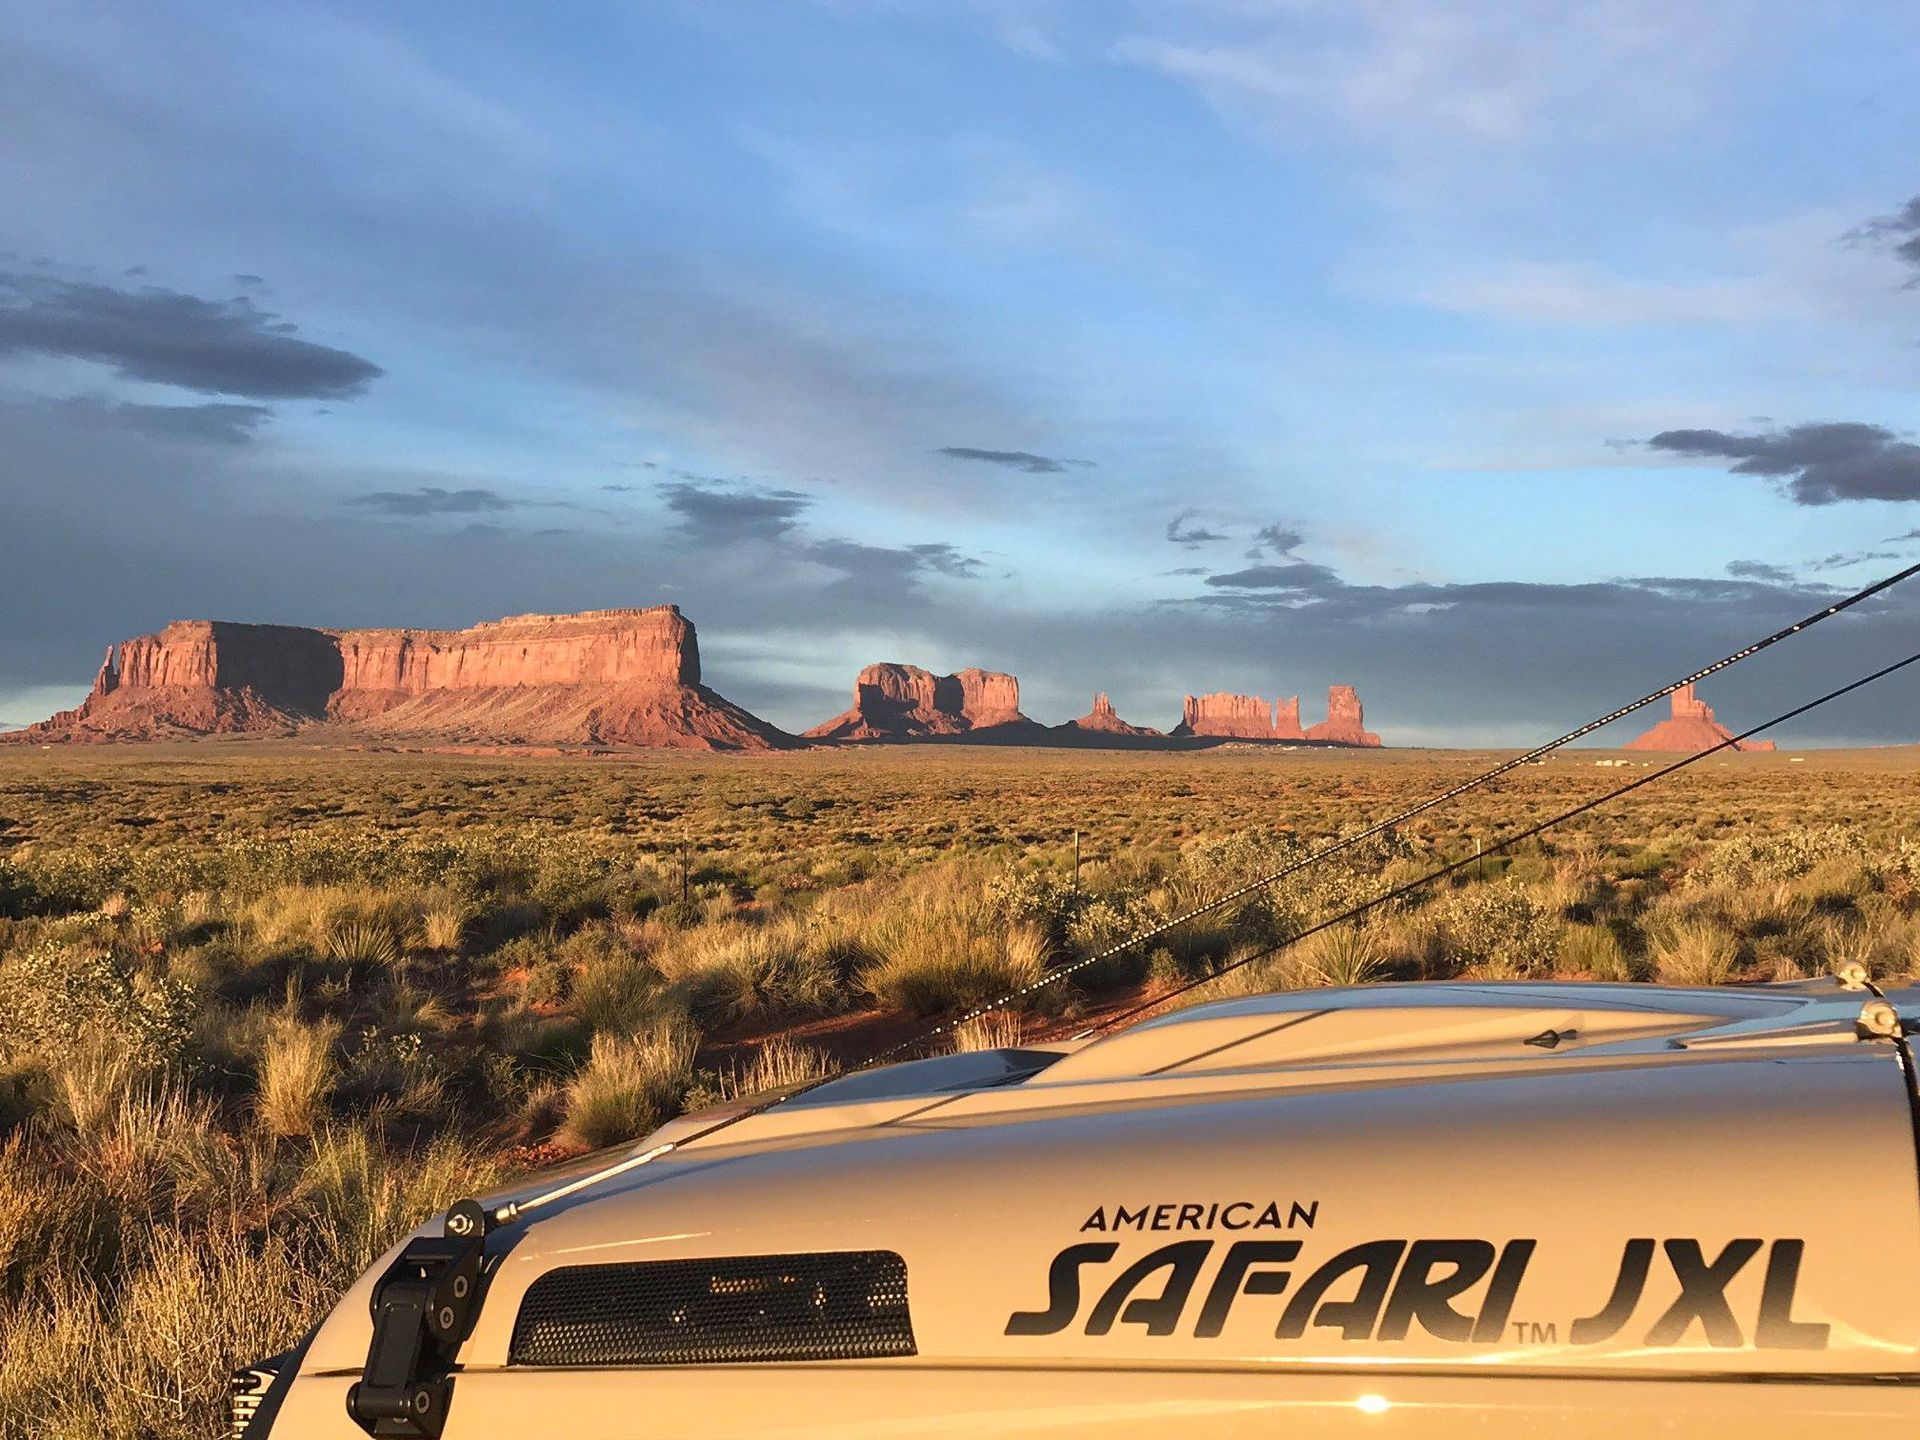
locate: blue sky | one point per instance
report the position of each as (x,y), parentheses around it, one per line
(1139,345)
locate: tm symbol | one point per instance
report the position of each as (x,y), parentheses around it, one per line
(1531,1332)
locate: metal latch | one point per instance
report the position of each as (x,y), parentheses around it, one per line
(424,1307)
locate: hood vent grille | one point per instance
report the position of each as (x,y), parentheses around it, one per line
(846,1305)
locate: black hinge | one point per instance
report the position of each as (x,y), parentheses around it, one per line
(424,1307)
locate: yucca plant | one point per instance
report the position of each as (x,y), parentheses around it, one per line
(363,943)
(1344,955)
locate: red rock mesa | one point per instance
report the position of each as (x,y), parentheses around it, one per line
(1230,717)
(598,678)
(1345,723)
(1690,729)
(1248,717)
(204,677)
(1101,720)
(904,702)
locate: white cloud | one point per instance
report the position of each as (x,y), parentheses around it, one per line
(1480,73)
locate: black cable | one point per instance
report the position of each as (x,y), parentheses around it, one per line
(1506,843)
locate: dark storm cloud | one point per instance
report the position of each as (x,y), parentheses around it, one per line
(947,560)
(1023,460)
(885,574)
(1275,539)
(433,500)
(1821,463)
(215,423)
(1841,559)
(720,513)
(218,347)
(1301,577)
(1760,570)
(1303,587)
(1191,536)
(1899,232)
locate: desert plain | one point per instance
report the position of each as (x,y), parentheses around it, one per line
(266,1004)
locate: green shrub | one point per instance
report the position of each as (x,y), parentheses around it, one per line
(1037,898)
(1499,931)
(57,996)
(1761,859)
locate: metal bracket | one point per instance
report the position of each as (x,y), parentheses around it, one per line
(424,1308)
(1879,1020)
(1852,975)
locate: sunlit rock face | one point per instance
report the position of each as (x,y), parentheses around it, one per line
(1345,723)
(904,702)
(1249,717)
(598,678)
(1690,729)
(1103,720)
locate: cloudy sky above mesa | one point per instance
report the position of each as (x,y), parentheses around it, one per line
(1500,358)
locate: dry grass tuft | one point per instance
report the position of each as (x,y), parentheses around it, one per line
(297,1071)
(942,945)
(1699,951)
(779,1064)
(995,1030)
(628,1086)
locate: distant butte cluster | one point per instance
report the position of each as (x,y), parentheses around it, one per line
(901,703)
(600,679)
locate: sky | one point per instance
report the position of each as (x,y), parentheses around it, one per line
(1503,358)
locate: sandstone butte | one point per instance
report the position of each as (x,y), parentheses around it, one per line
(1248,717)
(1102,720)
(1690,729)
(597,678)
(904,702)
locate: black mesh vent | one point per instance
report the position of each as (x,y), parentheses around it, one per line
(849,1305)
